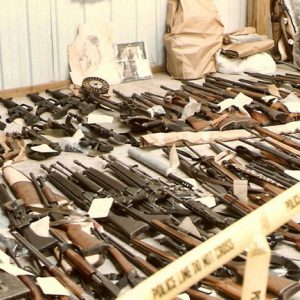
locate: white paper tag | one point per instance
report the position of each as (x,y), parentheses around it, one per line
(100,207)
(193,182)
(293,173)
(239,101)
(51,286)
(240,189)
(269,98)
(156,110)
(188,225)
(43,148)
(4,258)
(13,270)
(225,104)
(41,227)
(184,296)
(273,90)
(221,155)
(173,159)
(229,156)
(292,103)
(20,122)
(190,109)
(257,269)
(97,117)
(78,135)
(209,201)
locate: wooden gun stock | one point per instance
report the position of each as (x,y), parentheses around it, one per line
(278,137)
(147,248)
(87,243)
(225,286)
(276,285)
(263,119)
(21,186)
(291,237)
(177,235)
(35,292)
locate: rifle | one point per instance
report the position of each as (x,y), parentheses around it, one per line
(68,188)
(55,271)
(278,137)
(279,286)
(170,119)
(145,218)
(66,129)
(283,158)
(256,88)
(160,167)
(149,269)
(103,102)
(83,266)
(126,267)
(23,111)
(48,105)
(195,207)
(26,195)
(102,179)
(80,179)
(77,195)
(72,102)
(274,114)
(222,121)
(39,140)
(177,235)
(103,132)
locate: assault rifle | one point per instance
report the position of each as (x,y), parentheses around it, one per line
(48,105)
(38,139)
(72,102)
(23,111)
(20,220)
(54,270)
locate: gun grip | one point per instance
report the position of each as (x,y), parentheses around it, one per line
(130,227)
(40,242)
(88,244)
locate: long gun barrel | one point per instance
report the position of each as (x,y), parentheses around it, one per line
(55,271)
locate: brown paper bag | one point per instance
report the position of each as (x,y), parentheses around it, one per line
(193,36)
(246,49)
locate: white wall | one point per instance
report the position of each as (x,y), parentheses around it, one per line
(232,13)
(34,34)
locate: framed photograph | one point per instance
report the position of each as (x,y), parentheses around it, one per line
(133,62)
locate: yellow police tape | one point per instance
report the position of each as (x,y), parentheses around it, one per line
(210,255)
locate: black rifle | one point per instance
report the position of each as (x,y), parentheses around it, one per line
(20,220)
(48,105)
(23,111)
(72,102)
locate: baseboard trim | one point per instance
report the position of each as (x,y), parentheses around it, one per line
(22,91)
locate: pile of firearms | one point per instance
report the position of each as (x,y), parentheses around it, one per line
(160,113)
(142,207)
(144,227)
(60,106)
